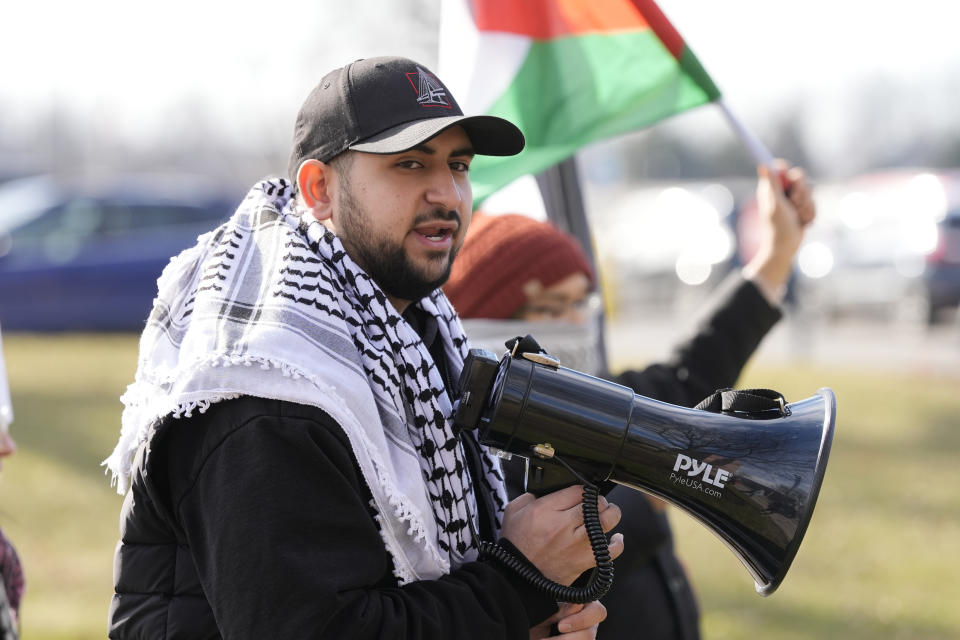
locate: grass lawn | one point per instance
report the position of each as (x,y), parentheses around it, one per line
(879,559)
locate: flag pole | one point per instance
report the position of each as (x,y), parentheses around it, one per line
(563,200)
(761,155)
(6,406)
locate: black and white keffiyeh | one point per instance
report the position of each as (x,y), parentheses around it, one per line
(270,305)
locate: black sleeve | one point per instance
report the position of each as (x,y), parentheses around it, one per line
(734,323)
(278,523)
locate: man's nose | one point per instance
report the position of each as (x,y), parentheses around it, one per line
(444,190)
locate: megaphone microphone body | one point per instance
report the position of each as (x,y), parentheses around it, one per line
(752,478)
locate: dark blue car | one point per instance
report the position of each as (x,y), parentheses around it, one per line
(941,275)
(86,255)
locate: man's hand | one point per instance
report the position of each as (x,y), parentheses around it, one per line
(574,622)
(549,532)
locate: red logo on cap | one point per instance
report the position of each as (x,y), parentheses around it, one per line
(430,92)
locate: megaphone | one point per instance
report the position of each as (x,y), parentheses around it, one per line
(750,477)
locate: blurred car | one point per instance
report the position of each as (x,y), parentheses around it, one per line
(873,249)
(664,245)
(86,255)
(941,275)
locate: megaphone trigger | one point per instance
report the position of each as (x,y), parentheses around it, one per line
(545,476)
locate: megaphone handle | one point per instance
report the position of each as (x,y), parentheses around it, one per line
(601,579)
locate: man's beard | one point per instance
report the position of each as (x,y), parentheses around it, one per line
(387,263)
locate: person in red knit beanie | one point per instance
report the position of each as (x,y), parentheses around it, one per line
(513,266)
(517,276)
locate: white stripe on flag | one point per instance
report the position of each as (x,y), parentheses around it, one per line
(476,66)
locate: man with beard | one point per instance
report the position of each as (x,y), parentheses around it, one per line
(287,452)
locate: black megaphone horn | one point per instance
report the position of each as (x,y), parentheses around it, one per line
(752,478)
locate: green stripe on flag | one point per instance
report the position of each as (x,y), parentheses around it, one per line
(575,90)
(698,74)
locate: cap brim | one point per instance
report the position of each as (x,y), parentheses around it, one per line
(489,135)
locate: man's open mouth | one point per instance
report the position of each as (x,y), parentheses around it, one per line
(435,234)
(437,231)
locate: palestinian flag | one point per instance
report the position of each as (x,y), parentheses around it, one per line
(567,72)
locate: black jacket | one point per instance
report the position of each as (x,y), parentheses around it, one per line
(252,520)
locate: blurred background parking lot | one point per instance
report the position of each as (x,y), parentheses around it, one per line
(80,254)
(885,246)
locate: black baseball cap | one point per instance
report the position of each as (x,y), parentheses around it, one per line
(388,105)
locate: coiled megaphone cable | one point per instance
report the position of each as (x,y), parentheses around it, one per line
(601,578)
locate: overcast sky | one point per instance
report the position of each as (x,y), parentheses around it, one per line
(761,50)
(121,66)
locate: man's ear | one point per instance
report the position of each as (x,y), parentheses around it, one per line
(313,182)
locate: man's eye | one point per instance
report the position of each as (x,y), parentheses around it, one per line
(460,166)
(409,164)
